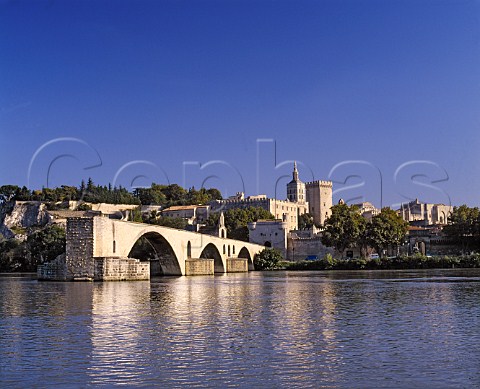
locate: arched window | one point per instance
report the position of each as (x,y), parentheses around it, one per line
(228,250)
(114,246)
(189,250)
(224,249)
(233,249)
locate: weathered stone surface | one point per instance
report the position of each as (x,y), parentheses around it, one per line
(27,214)
(121,269)
(237,265)
(79,248)
(199,267)
(55,270)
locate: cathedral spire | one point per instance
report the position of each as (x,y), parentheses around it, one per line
(295,171)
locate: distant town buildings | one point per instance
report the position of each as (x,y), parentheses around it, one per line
(367,210)
(193,214)
(423,214)
(313,197)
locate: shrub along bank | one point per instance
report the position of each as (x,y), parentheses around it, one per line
(402,262)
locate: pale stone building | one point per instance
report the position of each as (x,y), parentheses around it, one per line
(296,188)
(419,213)
(313,197)
(367,210)
(193,214)
(269,233)
(319,198)
(286,211)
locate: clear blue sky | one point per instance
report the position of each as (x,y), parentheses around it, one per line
(175,83)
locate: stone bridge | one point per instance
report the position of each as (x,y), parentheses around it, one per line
(99,248)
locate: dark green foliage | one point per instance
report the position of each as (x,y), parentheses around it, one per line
(387,229)
(45,245)
(267,259)
(343,228)
(89,193)
(305,221)
(347,228)
(172,222)
(236,220)
(396,263)
(12,255)
(106,194)
(165,195)
(42,245)
(84,207)
(169,195)
(464,227)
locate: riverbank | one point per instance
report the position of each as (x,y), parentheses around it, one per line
(392,263)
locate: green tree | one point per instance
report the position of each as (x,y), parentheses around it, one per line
(45,245)
(236,220)
(8,193)
(387,229)
(12,255)
(343,227)
(464,226)
(267,259)
(175,195)
(305,221)
(151,196)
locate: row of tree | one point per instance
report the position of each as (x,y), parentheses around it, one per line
(87,192)
(164,195)
(346,228)
(168,195)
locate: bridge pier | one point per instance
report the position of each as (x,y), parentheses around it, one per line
(199,267)
(121,269)
(237,265)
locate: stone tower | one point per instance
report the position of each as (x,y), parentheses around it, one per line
(296,188)
(319,197)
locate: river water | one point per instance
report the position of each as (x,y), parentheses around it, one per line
(369,329)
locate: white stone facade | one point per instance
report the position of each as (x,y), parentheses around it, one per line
(424,213)
(269,233)
(280,209)
(194,214)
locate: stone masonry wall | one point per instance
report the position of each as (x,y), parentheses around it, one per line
(121,269)
(300,248)
(237,265)
(80,248)
(199,267)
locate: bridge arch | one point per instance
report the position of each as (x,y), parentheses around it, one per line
(244,253)
(210,251)
(152,246)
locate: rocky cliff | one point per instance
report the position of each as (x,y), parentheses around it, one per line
(23,214)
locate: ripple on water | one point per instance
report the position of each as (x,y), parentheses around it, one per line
(308,329)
